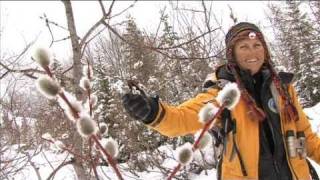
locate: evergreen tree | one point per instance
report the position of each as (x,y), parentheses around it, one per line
(295,34)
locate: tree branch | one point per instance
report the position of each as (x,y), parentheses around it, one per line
(96,25)
(25,72)
(156,49)
(59,167)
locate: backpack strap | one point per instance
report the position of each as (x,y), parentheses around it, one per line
(228,126)
(312,170)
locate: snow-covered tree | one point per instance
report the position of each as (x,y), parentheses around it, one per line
(298,50)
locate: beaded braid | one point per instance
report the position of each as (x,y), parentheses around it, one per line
(254,109)
(290,110)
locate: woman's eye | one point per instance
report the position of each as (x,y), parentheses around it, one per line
(257,45)
(243,46)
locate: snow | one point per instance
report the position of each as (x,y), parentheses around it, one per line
(19,121)
(137,65)
(118,86)
(55,158)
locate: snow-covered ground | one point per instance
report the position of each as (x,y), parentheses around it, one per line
(42,159)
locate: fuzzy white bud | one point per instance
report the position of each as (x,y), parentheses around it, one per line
(65,136)
(47,136)
(93,100)
(59,145)
(47,86)
(229,95)
(205,140)
(75,104)
(111,146)
(85,83)
(103,128)
(42,56)
(184,154)
(207,112)
(86,126)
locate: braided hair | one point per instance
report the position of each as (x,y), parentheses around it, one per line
(242,31)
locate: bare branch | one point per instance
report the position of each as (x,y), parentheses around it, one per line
(35,168)
(27,72)
(156,49)
(110,8)
(94,36)
(191,40)
(158,28)
(63,39)
(104,14)
(96,25)
(124,10)
(51,22)
(59,167)
(206,18)
(48,22)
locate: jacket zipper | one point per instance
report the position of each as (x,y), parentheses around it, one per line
(275,163)
(276,167)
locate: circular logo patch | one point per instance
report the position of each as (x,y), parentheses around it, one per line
(272,105)
(252,35)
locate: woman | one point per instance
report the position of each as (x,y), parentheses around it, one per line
(258,141)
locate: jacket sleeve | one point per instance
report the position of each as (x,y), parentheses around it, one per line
(303,124)
(183,119)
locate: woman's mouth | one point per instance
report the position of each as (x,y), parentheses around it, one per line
(252,60)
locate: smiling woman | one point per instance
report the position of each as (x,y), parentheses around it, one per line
(250,54)
(255,133)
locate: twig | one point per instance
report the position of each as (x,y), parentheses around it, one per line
(23,71)
(47,160)
(76,115)
(196,143)
(59,167)
(109,158)
(33,166)
(187,42)
(110,9)
(96,25)
(93,164)
(124,10)
(156,49)
(69,150)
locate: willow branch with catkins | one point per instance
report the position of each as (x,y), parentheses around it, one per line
(84,123)
(228,98)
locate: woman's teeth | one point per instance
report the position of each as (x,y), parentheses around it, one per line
(252,60)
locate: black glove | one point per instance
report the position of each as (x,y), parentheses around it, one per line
(141,107)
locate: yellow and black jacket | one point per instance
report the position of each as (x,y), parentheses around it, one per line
(262,146)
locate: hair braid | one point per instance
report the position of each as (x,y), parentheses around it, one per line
(290,110)
(254,109)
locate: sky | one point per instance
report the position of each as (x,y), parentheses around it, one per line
(20,21)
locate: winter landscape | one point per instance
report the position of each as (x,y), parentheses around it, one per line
(64,67)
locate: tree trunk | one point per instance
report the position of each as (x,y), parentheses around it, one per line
(77,73)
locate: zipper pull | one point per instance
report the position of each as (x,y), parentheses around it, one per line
(276,166)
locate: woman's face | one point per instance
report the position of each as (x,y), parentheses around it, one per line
(249,54)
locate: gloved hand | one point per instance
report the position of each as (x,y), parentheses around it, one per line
(141,107)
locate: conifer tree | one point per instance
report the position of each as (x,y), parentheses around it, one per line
(295,36)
